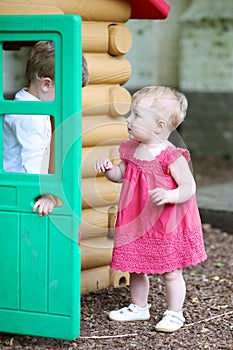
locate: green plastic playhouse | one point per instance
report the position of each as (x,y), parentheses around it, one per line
(40,257)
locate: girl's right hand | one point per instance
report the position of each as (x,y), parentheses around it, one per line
(102,165)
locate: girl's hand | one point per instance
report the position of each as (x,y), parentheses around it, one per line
(45,204)
(159,196)
(102,165)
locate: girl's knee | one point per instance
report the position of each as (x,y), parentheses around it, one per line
(138,277)
(173,275)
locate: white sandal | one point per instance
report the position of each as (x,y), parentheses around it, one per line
(130,313)
(171,321)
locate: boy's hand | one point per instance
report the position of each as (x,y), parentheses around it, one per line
(45,204)
(103,164)
(159,196)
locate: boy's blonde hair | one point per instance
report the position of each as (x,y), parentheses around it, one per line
(40,62)
(169,103)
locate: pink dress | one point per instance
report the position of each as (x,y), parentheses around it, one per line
(148,238)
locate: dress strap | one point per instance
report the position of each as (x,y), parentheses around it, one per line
(127,149)
(170,154)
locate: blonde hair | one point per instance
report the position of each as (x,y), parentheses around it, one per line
(169,103)
(41,61)
(85,73)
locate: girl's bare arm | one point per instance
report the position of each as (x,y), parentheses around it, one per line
(186,186)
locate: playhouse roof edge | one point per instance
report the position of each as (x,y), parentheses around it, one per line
(149,9)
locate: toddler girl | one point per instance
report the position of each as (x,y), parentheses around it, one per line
(158,228)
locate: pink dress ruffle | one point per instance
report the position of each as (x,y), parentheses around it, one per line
(148,238)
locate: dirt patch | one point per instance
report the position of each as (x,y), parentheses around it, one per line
(208,307)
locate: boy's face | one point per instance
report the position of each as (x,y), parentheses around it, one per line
(47,89)
(50,95)
(43,89)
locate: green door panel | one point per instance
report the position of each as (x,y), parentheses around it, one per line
(40,256)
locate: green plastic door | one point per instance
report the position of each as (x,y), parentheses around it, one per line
(40,257)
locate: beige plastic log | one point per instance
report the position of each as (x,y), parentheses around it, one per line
(119,278)
(112,215)
(28,2)
(106,69)
(96,252)
(98,222)
(91,154)
(89,10)
(120,40)
(103,130)
(94,279)
(97,10)
(112,100)
(95,36)
(94,222)
(99,192)
(102,37)
(33,8)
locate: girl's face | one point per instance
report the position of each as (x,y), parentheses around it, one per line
(141,123)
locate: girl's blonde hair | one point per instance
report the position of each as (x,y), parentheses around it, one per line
(169,103)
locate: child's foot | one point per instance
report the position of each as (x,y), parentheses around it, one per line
(170,322)
(130,313)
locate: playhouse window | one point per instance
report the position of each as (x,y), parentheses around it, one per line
(28,143)
(14,57)
(19,128)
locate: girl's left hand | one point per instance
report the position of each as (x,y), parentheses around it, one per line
(158,196)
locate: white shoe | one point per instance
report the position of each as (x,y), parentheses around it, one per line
(130,313)
(171,321)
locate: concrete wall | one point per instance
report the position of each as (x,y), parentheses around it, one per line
(208,128)
(14,65)
(154,55)
(206,75)
(206,47)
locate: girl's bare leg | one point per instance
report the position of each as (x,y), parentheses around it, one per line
(175,290)
(139,289)
(138,309)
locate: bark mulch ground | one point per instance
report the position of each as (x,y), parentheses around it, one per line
(208,307)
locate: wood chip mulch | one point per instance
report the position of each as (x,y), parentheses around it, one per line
(208,310)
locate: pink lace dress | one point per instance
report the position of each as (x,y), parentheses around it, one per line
(148,238)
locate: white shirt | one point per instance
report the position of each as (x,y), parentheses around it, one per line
(26,140)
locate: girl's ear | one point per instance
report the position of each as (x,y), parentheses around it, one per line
(160,126)
(46,83)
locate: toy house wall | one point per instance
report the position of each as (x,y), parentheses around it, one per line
(105,43)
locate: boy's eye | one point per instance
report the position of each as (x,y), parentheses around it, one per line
(136,115)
